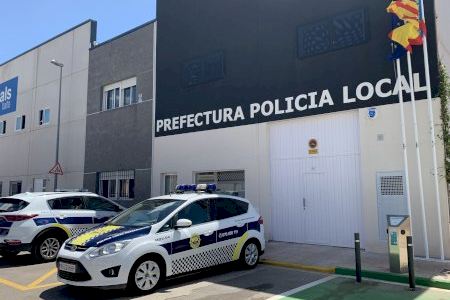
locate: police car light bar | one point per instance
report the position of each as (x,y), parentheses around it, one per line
(209,188)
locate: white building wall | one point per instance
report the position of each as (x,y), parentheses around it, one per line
(30,153)
(247,148)
(443,25)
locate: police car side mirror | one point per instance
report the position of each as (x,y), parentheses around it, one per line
(183,223)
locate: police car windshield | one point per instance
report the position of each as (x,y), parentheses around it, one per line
(146,213)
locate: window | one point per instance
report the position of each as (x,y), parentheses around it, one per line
(20,123)
(44,116)
(67,203)
(11,204)
(99,204)
(117,185)
(198,212)
(227,182)
(120,94)
(227,208)
(15,187)
(39,185)
(2,127)
(169,183)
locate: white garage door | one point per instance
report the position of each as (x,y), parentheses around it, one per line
(316,197)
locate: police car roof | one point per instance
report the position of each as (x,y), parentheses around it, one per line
(29,196)
(192,196)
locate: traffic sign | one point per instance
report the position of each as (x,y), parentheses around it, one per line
(56,170)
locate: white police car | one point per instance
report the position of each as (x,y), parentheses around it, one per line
(162,237)
(41,222)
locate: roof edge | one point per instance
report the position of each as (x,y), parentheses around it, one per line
(93,37)
(124,34)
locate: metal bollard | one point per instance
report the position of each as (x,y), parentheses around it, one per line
(411,274)
(358,257)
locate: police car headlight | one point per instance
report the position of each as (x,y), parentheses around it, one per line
(108,249)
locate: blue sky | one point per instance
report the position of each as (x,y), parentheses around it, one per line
(27,23)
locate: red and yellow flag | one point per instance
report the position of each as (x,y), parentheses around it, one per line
(411,32)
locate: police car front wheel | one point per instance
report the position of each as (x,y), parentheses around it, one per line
(146,275)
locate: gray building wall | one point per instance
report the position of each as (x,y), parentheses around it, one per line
(121,139)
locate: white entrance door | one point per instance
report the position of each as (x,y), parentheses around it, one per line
(316,198)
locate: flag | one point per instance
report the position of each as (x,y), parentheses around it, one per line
(407,26)
(398,50)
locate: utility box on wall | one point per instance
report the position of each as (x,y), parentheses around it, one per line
(398,230)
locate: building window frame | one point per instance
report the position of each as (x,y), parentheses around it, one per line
(228,182)
(44,116)
(17,190)
(115,95)
(117,185)
(169,182)
(3,127)
(20,123)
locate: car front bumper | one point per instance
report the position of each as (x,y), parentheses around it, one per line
(93,272)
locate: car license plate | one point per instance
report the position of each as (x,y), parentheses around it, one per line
(66,267)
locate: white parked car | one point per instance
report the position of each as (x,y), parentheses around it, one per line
(162,237)
(41,222)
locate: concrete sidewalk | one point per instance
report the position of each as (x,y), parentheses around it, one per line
(329,257)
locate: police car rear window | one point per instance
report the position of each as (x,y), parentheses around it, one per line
(12,204)
(227,208)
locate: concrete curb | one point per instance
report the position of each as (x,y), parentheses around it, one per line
(399,278)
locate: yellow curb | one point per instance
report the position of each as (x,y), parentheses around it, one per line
(298,266)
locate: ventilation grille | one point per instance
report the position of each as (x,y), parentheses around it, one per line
(230,176)
(392,185)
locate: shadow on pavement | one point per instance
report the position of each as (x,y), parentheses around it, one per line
(18,261)
(77,293)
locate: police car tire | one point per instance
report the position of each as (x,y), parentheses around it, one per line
(252,248)
(8,254)
(50,237)
(132,286)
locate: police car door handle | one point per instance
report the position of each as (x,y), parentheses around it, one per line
(208,233)
(304,203)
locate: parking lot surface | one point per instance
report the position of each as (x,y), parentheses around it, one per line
(347,289)
(20,279)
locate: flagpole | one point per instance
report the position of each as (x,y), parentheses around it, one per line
(419,162)
(405,154)
(432,132)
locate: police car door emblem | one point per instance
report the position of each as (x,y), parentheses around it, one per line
(194,241)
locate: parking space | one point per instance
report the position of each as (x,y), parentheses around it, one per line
(21,280)
(347,289)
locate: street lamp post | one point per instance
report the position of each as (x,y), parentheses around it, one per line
(60,65)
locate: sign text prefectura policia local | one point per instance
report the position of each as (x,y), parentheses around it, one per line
(315,100)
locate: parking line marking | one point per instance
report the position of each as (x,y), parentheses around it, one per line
(42,278)
(301,288)
(13,285)
(34,285)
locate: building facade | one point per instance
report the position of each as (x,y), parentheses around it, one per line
(296,107)
(119,117)
(29,113)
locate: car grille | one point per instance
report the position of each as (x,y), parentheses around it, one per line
(71,247)
(80,275)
